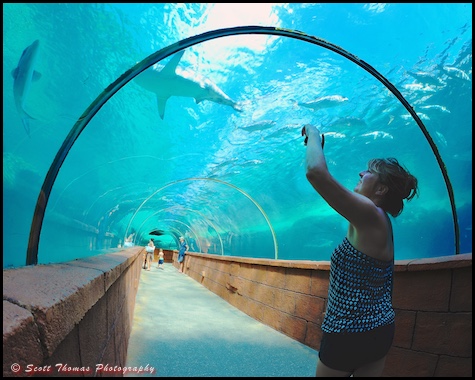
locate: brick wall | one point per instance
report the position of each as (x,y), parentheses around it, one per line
(79,312)
(432,299)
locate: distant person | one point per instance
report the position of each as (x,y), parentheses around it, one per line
(161,258)
(190,240)
(182,253)
(358,327)
(150,249)
(205,245)
(192,244)
(128,241)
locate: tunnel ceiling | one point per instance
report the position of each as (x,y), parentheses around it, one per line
(226,169)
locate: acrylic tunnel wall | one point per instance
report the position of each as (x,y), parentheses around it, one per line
(206,144)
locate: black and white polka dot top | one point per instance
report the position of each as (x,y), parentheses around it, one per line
(360,291)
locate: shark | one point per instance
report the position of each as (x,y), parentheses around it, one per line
(169,80)
(324,102)
(24,74)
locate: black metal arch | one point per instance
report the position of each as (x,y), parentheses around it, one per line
(96,105)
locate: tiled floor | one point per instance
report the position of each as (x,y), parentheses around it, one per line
(181,329)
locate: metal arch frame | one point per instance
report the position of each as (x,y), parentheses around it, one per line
(180,222)
(206,220)
(276,249)
(109,91)
(209,223)
(183,234)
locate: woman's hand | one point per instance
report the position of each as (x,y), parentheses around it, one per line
(309,129)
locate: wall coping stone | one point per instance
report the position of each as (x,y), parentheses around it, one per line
(433,263)
(59,295)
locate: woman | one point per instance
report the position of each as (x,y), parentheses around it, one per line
(181,254)
(150,249)
(358,327)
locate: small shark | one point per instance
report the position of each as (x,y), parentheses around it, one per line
(259,126)
(425,78)
(343,123)
(324,102)
(168,80)
(23,75)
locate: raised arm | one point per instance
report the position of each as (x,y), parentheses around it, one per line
(358,209)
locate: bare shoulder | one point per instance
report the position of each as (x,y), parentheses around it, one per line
(373,239)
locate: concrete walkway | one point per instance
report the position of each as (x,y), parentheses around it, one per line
(184,330)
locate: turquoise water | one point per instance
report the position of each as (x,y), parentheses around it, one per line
(231,179)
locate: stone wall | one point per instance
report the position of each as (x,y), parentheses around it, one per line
(80,312)
(77,313)
(432,299)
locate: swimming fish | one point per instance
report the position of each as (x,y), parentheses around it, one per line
(169,80)
(456,72)
(343,123)
(324,102)
(258,126)
(23,75)
(378,134)
(419,87)
(436,107)
(425,78)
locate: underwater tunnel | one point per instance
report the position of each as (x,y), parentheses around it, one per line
(201,139)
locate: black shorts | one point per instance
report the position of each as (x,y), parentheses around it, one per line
(349,351)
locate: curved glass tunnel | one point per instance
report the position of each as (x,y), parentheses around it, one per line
(228,173)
